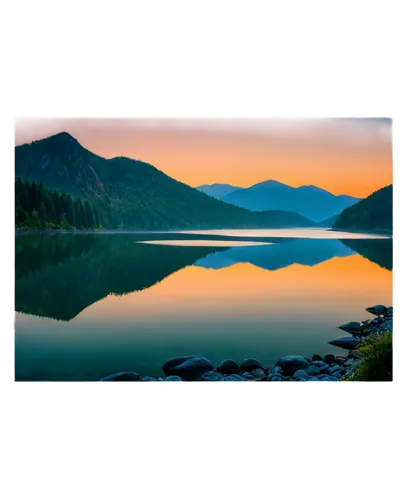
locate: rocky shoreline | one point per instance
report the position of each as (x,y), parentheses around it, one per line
(329,368)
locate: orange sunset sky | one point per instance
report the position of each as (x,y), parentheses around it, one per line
(344,156)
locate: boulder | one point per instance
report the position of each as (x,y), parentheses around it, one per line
(233,378)
(247,376)
(211,376)
(314,379)
(190,369)
(228,366)
(173,362)
(345,342)
(300,374)
(250,364)
(320,364)
(173,378)
(259,374)
(316,357)
(327,379)
(377,310)
(313,370)
(340,360)
(121,377)
(276,378)
(290,364)
(149,379)
(354,328)
(329,359)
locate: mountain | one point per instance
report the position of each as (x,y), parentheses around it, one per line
(309,201)
(217,190)
(328,222)
(132,194)
(374,213)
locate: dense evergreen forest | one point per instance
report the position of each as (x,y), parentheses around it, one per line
(374,213)
(39,208)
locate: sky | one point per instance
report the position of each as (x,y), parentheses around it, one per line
(343,156)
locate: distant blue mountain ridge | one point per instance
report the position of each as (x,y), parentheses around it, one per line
(311,201)
(306,252)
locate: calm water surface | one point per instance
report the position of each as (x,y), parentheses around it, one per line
(95,304)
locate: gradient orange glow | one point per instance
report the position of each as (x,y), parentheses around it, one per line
(351,156)
(344,282)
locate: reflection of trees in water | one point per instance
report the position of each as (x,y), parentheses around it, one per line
(60,275)
(378,251)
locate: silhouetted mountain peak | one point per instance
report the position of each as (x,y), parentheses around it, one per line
(269,183)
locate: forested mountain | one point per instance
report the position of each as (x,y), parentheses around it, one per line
(374,213)
(132,194)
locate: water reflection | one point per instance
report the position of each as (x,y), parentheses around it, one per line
(262,301)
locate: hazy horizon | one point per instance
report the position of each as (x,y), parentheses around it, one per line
(342,156)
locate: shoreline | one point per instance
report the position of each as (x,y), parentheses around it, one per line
(191,233)
(330,368)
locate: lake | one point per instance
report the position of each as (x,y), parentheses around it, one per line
(89,305)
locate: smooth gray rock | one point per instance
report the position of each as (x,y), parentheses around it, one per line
(334,368)
(211,376)
(313,370)
(303,379)
(232,378)
(276,378)
(301,374)
(228,366)
(191,369)
(377,310)
(320,364)
(340,360)
(345,342)
(173,378)
(314,379)
(149,379)
(173,362)
(121,377)
(258,373)
(328,378)
(290,364)
(329,359)
(316,357)
(250,364)
(247,376)
(354,328)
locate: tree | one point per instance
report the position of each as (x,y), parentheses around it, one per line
(35,218)
(89,217)
(70,211)
(42,212)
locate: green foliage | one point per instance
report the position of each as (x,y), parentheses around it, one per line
(39,208)
(374,213)
(377,359)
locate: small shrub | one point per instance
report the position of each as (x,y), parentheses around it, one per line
(377,359)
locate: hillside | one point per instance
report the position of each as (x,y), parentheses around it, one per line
(309,201)
(217,190)
(132,194)
(374,213)
(328,222)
